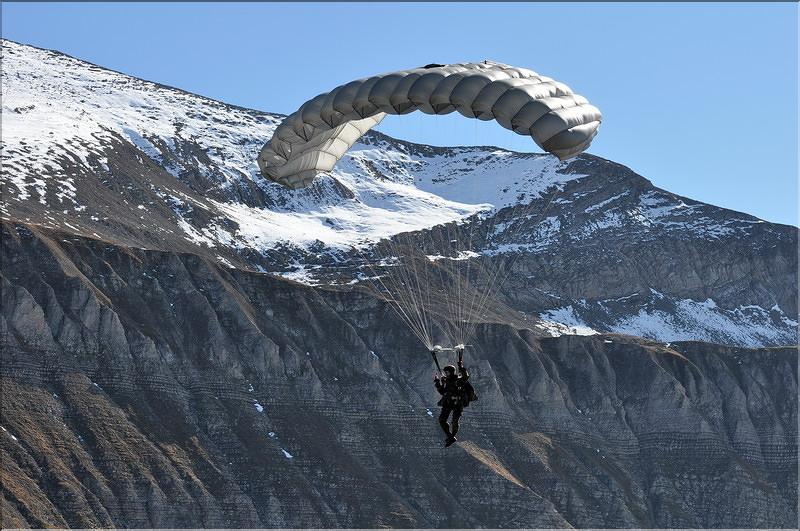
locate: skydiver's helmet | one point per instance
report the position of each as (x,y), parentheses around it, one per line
(449,370)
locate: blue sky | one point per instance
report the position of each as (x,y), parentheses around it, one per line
(699,98)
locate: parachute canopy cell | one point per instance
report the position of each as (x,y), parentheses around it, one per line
(313,138)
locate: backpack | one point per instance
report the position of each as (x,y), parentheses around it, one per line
(469,393)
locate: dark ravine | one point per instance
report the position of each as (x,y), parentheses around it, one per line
(147,388)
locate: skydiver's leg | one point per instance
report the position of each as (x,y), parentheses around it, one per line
(443,419)
(456,416)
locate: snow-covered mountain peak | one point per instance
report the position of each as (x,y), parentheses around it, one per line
(56,107)
(59,111)
(60,115)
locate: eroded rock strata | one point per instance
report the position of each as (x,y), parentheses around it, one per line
(159,389)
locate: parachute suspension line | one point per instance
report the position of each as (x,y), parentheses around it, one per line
(469,307)
(442,285)
(458,260)
(505,267)
(435,294)
(462,256)
(410,276)
(481,296)
(445,241)
(408,286)
(414,322)
(419,287)
(463,281)
(454,264)
(410,280)
(462,263)
(438,262)
(415,277)
(417,291)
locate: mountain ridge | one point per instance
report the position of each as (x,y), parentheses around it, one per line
(184,177)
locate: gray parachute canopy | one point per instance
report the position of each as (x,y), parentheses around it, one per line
(313,138)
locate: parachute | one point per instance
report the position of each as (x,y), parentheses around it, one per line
(313,138)
(439,280)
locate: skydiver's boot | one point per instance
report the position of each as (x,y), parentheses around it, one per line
(450,440)
(447,434)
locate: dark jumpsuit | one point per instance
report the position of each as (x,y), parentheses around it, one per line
(454,398)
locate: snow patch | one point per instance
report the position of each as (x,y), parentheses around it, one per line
(562,321)
(665,319)
(749,325)
(9,433)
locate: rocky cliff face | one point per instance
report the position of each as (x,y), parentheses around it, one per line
(146,388)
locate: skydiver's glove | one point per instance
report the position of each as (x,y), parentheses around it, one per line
(436,378)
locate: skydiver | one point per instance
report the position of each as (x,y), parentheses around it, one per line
(456,393)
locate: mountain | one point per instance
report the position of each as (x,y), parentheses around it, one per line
(104,155)
(185,344)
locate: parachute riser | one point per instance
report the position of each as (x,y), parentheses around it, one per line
(436,361)
(458,348)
